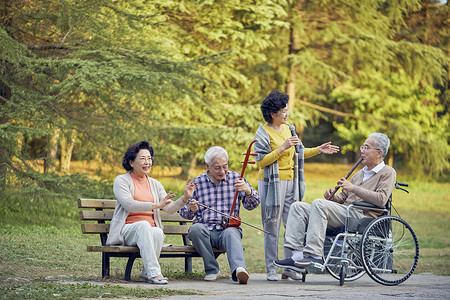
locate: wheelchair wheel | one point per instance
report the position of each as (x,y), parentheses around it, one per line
(355,268)
(390,250)
(342,274)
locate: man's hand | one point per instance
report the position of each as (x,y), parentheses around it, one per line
(328,194)
(189,190)
(193,205)
(345,185)
(241,186)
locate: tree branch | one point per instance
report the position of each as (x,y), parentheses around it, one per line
(47,47)
(328,110)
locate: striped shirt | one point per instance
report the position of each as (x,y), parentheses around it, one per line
(219,197)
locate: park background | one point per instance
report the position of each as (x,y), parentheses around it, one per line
(82,80)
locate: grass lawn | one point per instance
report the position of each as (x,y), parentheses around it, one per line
(35,253)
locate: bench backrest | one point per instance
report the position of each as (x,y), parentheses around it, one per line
(101,211)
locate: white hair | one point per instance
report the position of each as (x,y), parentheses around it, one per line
(215,151)
(382,142)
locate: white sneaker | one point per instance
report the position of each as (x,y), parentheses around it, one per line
(211,277)
(162,280)
(242,275)
(288,273)
(272,276)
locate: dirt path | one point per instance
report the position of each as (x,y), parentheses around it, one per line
(317,286)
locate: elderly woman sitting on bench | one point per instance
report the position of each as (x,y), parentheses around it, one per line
(136,220)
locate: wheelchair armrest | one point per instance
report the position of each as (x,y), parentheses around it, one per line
(366,205)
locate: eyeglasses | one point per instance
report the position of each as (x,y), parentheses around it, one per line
(365,148)
(144,159)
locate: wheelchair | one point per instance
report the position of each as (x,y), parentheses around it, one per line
(386,248)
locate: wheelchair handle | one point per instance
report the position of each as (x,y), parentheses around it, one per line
(399,184)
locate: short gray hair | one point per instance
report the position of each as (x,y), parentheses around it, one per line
(215,151)
(382,142)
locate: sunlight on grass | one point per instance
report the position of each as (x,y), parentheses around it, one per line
(48,290)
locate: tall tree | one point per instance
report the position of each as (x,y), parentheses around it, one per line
(190,74)
(335,46)
(85,66)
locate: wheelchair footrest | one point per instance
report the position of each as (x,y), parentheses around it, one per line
(315,267)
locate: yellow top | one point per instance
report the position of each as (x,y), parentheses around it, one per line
(285,159)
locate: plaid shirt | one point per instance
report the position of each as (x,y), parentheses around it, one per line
(219,197)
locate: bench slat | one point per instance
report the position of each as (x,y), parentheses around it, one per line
(94,228)
(96,215)
(110,204)
(176,229)
(104,228)
(106,215)
(165,217)
(125,249)
(96,203)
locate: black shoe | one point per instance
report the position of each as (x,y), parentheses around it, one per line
(287,263)
(307,261)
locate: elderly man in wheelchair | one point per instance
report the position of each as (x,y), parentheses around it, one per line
(363,198)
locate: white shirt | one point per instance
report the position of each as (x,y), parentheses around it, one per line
(369,173)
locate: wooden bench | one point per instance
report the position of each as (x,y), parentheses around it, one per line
(101,211)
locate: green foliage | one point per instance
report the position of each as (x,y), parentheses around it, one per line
(408,114)
(96,76)
(47,198)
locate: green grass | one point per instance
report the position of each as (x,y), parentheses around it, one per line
(42,245)
(47,290)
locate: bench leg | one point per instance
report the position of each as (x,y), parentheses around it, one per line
(129,267)
(188,265)
(105,264)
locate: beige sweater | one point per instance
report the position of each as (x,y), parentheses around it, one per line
(375,190)
(124,191)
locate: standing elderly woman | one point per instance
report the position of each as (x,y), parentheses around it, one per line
(136,219)
(277,183)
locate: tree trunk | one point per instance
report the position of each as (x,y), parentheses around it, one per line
(5,95)
(67,143)
(290,87)
(52,149)
(193,166)
(391,159)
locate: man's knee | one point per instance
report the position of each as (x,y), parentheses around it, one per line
(197,230)
(299,208)
(319,204)
(232,233)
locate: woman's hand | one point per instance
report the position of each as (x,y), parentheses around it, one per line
(288,143)
(327,148)
(161,204)
(241,186)
(188,190)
